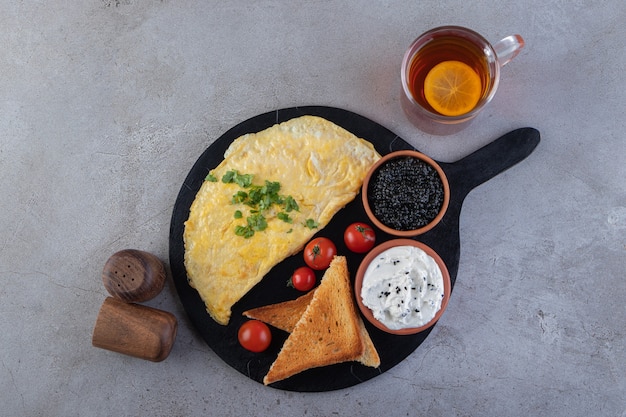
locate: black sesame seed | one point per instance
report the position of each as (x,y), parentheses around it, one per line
(406,193)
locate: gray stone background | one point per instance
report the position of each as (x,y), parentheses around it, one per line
(105,106)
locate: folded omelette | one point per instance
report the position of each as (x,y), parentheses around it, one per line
(317,164)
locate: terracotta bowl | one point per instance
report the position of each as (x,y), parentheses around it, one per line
(447,288)
(405,233)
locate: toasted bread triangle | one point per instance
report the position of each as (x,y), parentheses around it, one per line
(283,315)
(370,355)
(329,331)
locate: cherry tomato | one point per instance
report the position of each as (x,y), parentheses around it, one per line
(319,252)
(303,279)
(359,237)
(255,336)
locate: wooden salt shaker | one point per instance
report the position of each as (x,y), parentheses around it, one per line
(135,330)
(133,275)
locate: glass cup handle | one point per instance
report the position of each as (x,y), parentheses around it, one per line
(508,48)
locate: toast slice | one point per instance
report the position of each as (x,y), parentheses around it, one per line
(283,315)
(329,331)
(370,355)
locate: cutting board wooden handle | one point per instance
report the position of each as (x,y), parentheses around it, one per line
(468,173)
(492,159)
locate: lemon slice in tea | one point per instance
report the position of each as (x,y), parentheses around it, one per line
(452,88)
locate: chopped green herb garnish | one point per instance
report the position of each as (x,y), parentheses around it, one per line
(254,197)
(244,231)
(228,177)
(284,217)
(210,177)
(239,197)
(291,204)
(266,202)
(260,198)
(243,180)
(271,187)
(257,222)
(311,224)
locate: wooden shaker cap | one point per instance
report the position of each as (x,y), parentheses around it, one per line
(136,330)
(134,276)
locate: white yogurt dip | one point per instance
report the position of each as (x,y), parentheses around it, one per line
(403,287)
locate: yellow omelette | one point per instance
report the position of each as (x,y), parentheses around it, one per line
(318,164)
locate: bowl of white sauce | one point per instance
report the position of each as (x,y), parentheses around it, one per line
(402,286)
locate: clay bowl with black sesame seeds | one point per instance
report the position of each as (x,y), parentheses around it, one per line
(405,193)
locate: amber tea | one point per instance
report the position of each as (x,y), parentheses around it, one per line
(446,48)
(449,74)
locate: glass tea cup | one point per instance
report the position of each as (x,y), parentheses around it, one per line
(452,43)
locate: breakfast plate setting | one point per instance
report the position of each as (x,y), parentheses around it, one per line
(443,238)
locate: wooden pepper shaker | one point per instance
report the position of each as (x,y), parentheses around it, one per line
(135,330)
(133,275)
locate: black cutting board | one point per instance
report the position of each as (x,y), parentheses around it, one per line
(463,175)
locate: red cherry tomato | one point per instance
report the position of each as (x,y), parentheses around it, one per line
(359,237)
(303,279)
(255,336)
(319,252)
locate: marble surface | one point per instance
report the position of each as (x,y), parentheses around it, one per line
(106,104)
